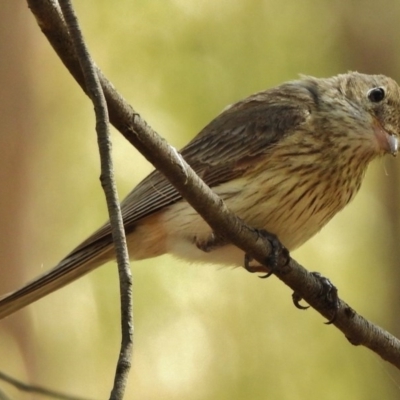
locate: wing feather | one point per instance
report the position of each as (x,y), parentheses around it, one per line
(222,151)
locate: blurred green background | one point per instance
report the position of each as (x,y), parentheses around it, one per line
(201,332)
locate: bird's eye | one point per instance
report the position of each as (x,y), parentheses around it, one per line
(376,94)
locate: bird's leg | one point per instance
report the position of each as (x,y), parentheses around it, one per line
(328,291)
(211,243)
(279,255)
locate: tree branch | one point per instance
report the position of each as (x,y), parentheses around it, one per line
(205,202)
(22,386)
(96,94)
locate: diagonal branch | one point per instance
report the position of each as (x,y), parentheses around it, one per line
(39,390)
(204,201)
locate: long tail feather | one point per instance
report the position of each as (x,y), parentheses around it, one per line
(75,265)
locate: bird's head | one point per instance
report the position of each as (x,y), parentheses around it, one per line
(380,97)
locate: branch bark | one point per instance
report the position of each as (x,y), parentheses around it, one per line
(96,94)
(357,329)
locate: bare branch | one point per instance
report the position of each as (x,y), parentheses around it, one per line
(95,92)
(35,389)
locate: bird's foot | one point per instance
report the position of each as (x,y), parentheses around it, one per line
(279,256)
(211,243)
(328,291)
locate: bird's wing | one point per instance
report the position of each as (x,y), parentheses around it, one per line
(223,150)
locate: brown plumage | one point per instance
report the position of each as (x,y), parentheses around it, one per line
(286,160)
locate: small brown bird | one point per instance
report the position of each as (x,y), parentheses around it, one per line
(285,160)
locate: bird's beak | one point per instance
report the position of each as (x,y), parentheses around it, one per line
(393,142)
(388,142)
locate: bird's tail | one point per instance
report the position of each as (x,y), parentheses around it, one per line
(78,263)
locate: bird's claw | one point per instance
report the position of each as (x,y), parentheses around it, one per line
(296,301)
(278,253)
(330,293)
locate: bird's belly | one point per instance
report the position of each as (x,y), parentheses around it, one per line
(290,208)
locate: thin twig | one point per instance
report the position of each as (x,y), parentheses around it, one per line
(206,203)
(35,389)
(96,94)
(3,396)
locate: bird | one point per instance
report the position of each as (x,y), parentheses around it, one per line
(284,160)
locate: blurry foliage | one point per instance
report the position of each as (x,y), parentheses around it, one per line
(200,332)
